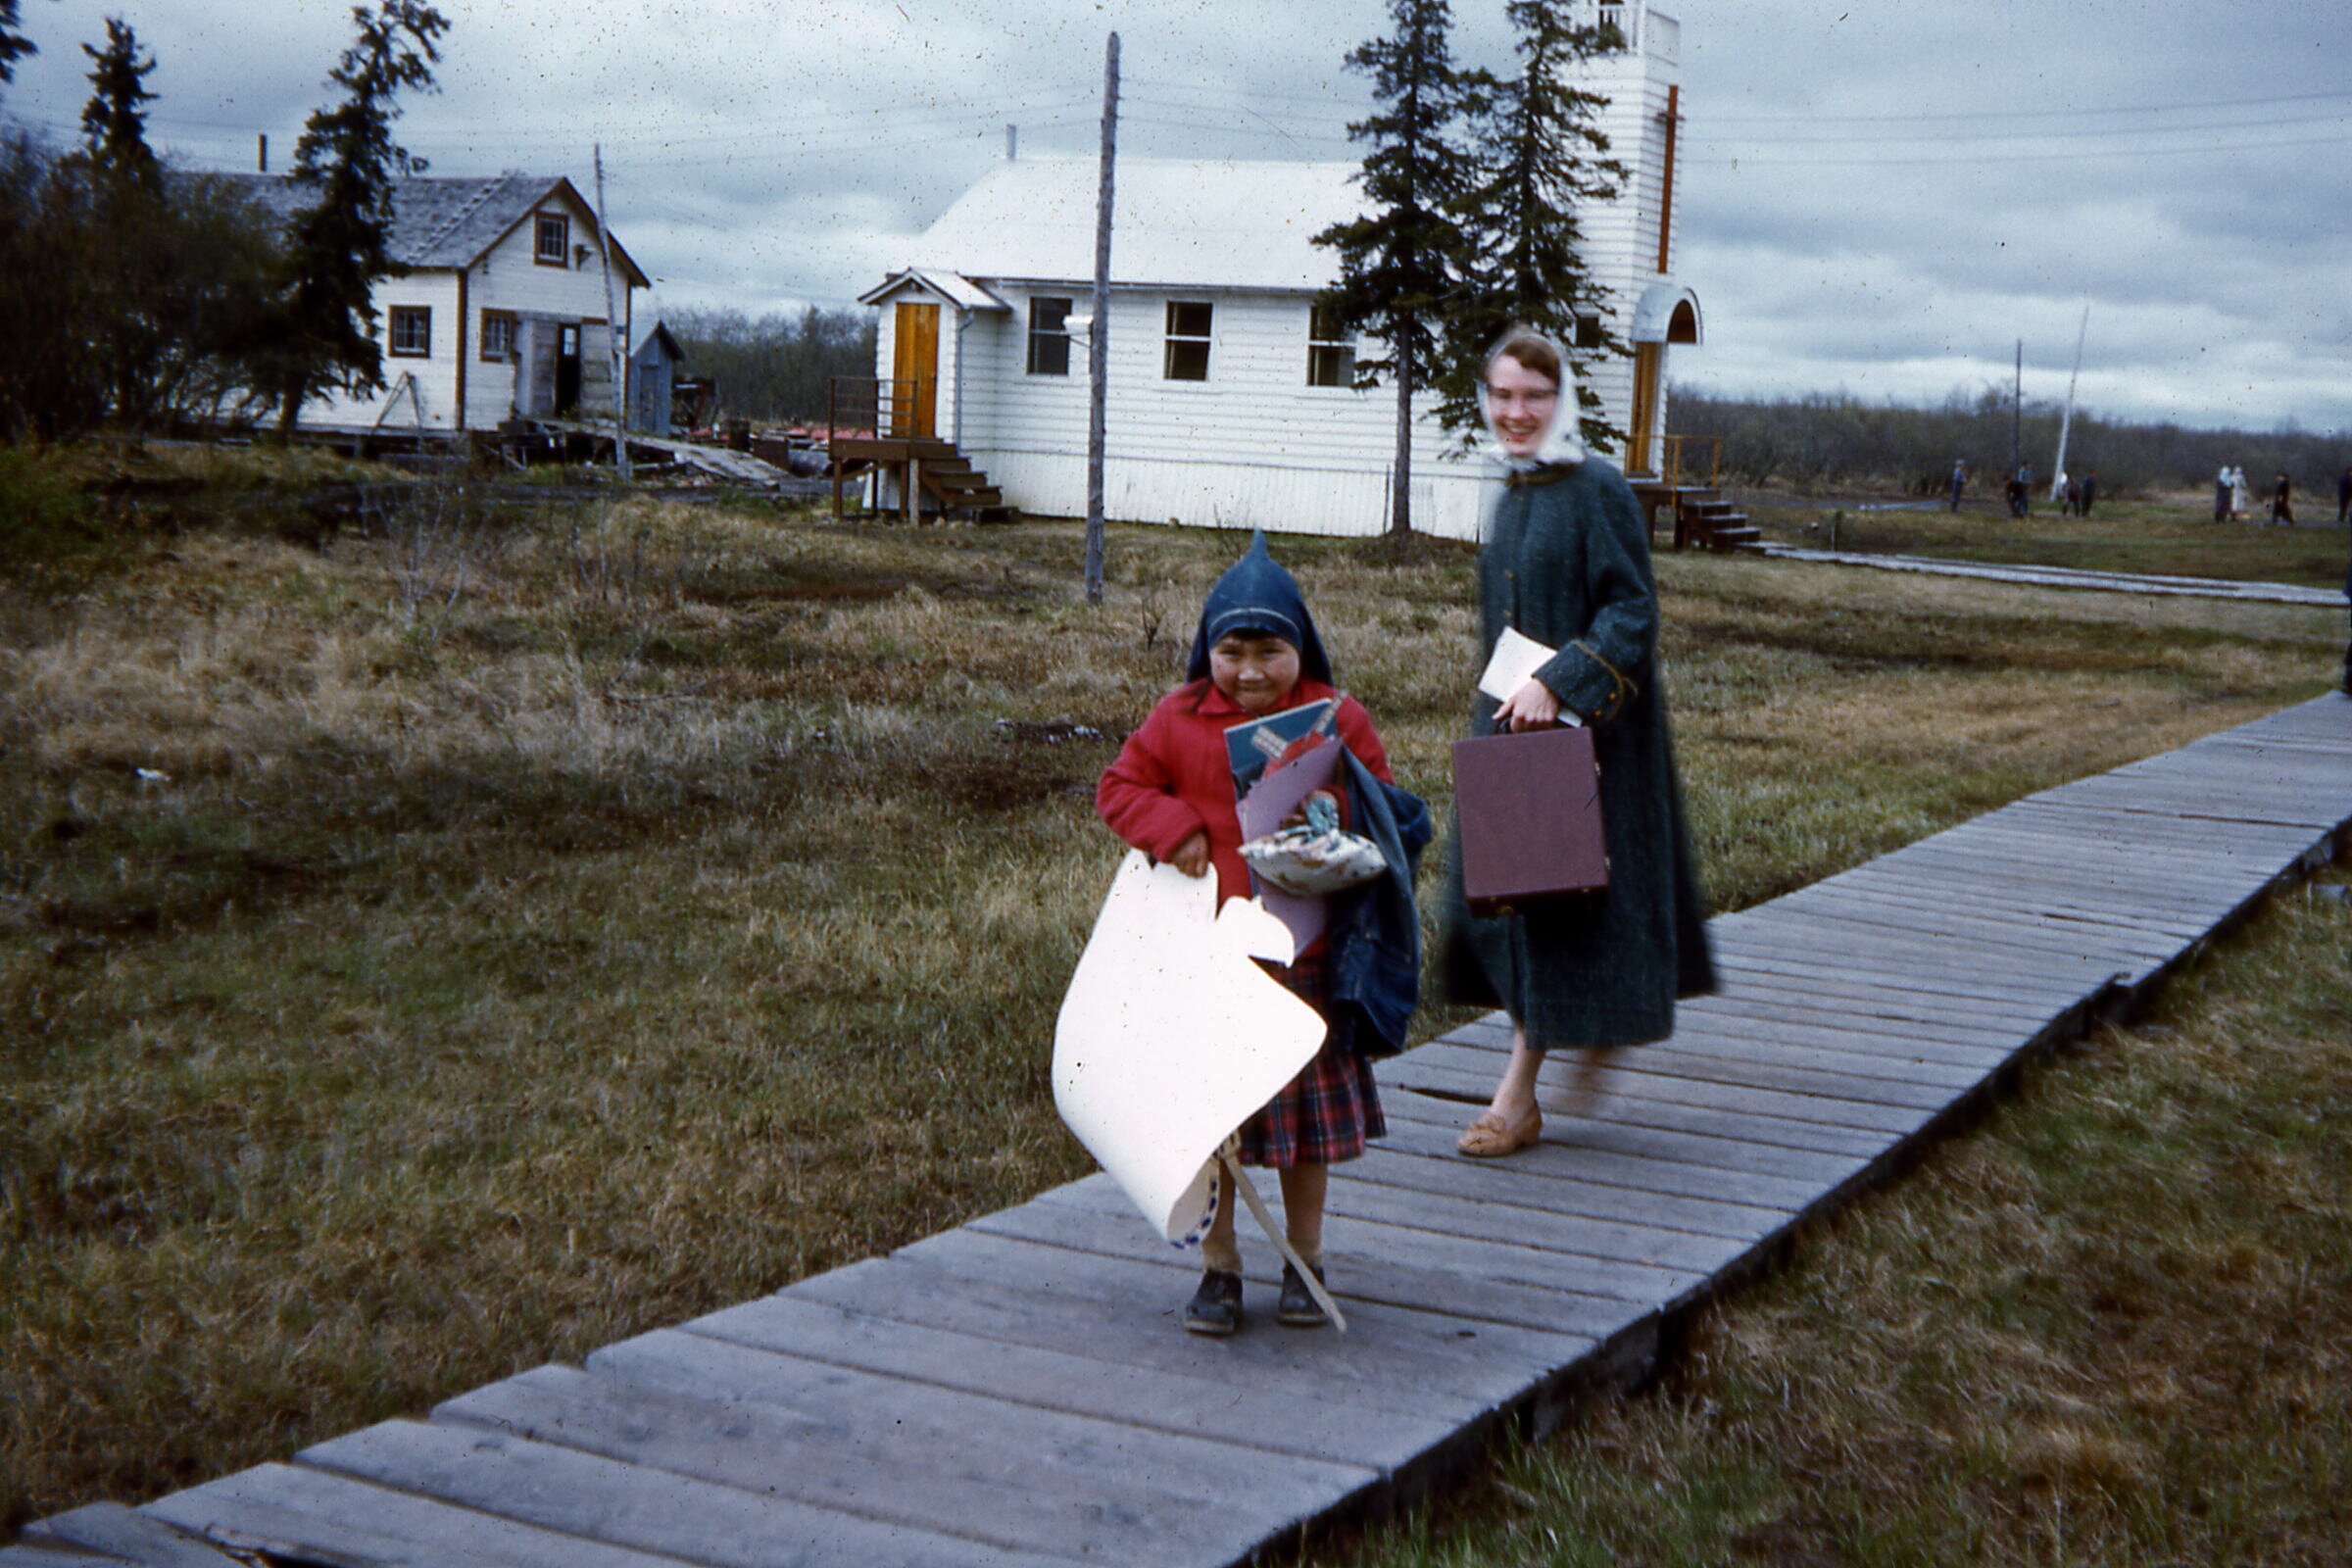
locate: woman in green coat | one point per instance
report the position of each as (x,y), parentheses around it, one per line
(1566,561)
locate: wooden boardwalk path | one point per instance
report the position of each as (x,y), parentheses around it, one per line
(2120,582)
(1016,1391)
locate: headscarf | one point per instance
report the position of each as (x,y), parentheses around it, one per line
(1563,444)
(1256,596)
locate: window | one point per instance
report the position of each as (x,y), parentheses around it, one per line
(1188,323)
(411,334)
(1049,336)
(1589,333)
(552,240)
(1330,349)
(498,335)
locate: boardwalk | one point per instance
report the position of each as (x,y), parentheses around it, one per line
(1015,1392)
(2117,582)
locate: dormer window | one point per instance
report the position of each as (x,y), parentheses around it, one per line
(552,246)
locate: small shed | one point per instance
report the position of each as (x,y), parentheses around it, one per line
(654,364)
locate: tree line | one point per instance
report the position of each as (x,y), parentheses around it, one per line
(772,368)
(1838,439)
(136,296)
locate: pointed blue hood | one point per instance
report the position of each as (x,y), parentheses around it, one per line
(1257,595)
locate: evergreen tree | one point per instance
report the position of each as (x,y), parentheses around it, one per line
(113,123)
(14,45)
(1539,157)
(338,246)
(1401,263)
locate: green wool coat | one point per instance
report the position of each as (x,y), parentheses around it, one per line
(1567,563)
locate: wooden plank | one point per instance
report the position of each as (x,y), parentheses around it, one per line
(1787,1013)
(1671,1115)
(110,1530)
(1625,1089)
(1518,1183)
(1578,1149)
(2007,898)
(1083,1382)
(2110,946)
(2028,1005)
(1678,1057)
(778,1427)
(1975,1020)
(1986,883)
(1633,1230)
(1529,1315)
(315,1516)
(1800,930)
(583,1494)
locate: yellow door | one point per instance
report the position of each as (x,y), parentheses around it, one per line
(915,364)
(1640,455)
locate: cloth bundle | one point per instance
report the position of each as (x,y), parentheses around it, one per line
(1317,856)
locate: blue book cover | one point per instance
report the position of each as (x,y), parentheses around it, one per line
(1257,743)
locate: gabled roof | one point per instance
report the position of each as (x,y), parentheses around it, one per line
(959,290)
(1203,223)
(441,221)
(657,331)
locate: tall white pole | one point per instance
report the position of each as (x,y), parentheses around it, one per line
(1098,338)
(612,328)
(2066,420)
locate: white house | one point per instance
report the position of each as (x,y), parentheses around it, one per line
(499,309)
(1228,393)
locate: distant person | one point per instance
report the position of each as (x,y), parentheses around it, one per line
(2221,495)
(1170,793)
(2088,492)
(2344,498)
(2070,494)
(2013,496)
(1960,481)
(2283,503)
(2237,492)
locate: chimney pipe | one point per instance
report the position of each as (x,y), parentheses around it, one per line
(263,152)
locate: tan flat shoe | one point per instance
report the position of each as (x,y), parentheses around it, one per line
(1491,1136)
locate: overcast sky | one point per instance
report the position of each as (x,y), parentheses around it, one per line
(1879,198)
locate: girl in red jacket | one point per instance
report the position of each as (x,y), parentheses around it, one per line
(1172,795)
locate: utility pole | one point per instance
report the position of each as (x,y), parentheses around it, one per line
(612,328)
(1098,337)
(2017,413)
(2066,420)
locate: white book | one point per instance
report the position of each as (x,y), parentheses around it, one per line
(1515,664)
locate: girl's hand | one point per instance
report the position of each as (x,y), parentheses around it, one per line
(1534,705)
(1191,855)
(1298,818)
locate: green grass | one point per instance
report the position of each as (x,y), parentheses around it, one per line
(2165,536)
(432,950)
(2107,1326)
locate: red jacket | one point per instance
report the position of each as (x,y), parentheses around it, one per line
(1173,776)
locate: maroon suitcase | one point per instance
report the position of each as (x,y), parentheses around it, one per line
(1529,806)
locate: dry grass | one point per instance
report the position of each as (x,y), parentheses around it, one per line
(530,929)
(2109,1326)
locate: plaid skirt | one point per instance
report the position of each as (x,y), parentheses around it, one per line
(1323,1115)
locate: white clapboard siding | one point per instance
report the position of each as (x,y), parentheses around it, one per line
(1254,443)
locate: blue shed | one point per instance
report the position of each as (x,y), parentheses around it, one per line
(654,362)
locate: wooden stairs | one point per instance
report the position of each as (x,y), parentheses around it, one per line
(947,476)
(1705,519)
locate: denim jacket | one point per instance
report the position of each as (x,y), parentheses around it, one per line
(1374,932)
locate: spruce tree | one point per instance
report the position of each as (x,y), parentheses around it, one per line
(1540,158)
(113,123)
(1401,263)
(14,45)
(340,245)
(132,221)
